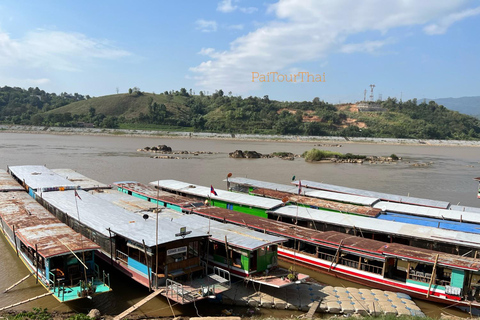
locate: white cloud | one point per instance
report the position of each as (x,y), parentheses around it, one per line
(226,6)
(248,10)
(309,30)
(235,27)
(443,24)
(367,46)
(54,50)
(207,51)
(206,25)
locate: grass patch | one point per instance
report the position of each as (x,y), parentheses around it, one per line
(317,155)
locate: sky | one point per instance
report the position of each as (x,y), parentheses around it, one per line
(406,48)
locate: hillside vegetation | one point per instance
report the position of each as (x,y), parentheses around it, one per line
(180,110)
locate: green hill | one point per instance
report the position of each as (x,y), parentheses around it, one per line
(129,106)
(180,110)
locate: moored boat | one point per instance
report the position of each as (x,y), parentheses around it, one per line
(62,260)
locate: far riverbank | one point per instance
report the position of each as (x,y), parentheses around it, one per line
(227,136)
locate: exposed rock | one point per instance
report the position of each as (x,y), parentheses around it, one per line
(164,148)
(237,154)
(252,155)
(94,314)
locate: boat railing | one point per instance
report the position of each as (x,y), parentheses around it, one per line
(426,277)
(325,256)
(123,257)
(371,268)
(348,263)
(106,278)
(178,292)
(222,273)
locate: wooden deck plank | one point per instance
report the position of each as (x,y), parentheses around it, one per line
(138,304)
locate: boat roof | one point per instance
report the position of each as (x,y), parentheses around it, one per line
(222,195)
(236,236)
(34,225)
(315,202)
(124,201)
(40,178)
(380,226)
(153,193)
(335,196)
(464,208)
(79,179)
(444,214)
(333,239)
(101,215)
(7,183)
(431,222)
(380,195)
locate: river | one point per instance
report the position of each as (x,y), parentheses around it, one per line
(448,176)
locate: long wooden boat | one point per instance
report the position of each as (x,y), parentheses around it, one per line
(423,273)
(62,260)
(150,253)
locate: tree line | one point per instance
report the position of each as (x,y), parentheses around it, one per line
(226,113)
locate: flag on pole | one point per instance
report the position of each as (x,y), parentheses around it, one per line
(76,195)
(213,190)
(299,186)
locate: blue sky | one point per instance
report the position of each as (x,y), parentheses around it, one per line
(406,48)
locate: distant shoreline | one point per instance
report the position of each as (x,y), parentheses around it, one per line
(226,136)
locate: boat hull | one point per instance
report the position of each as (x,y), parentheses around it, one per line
(371,280)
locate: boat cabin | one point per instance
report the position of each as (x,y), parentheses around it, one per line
(62,260)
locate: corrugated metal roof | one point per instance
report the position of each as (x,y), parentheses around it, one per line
(443,214)
(153,193)
(236,236)
(36,226)
(320,203)
(341,197)
(7,183)
(333,238)
(383,196)
(464,208)
(99,214)
(334,196)
(79,179)
(222,195)
(124,201)
(419,254)
(431,222)
(381,226)
(40,178)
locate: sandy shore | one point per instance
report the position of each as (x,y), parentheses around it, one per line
(226,136)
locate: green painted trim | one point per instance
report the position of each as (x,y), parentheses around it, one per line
(424,284)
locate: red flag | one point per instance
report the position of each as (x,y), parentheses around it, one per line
(299,186)
(213,190)
(76,195)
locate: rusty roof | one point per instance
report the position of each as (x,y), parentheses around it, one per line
(153,193)
(34,225)
(319,203)
(333,239)
(425,255)
(7,183)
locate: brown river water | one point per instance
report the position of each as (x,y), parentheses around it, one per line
(449,177)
